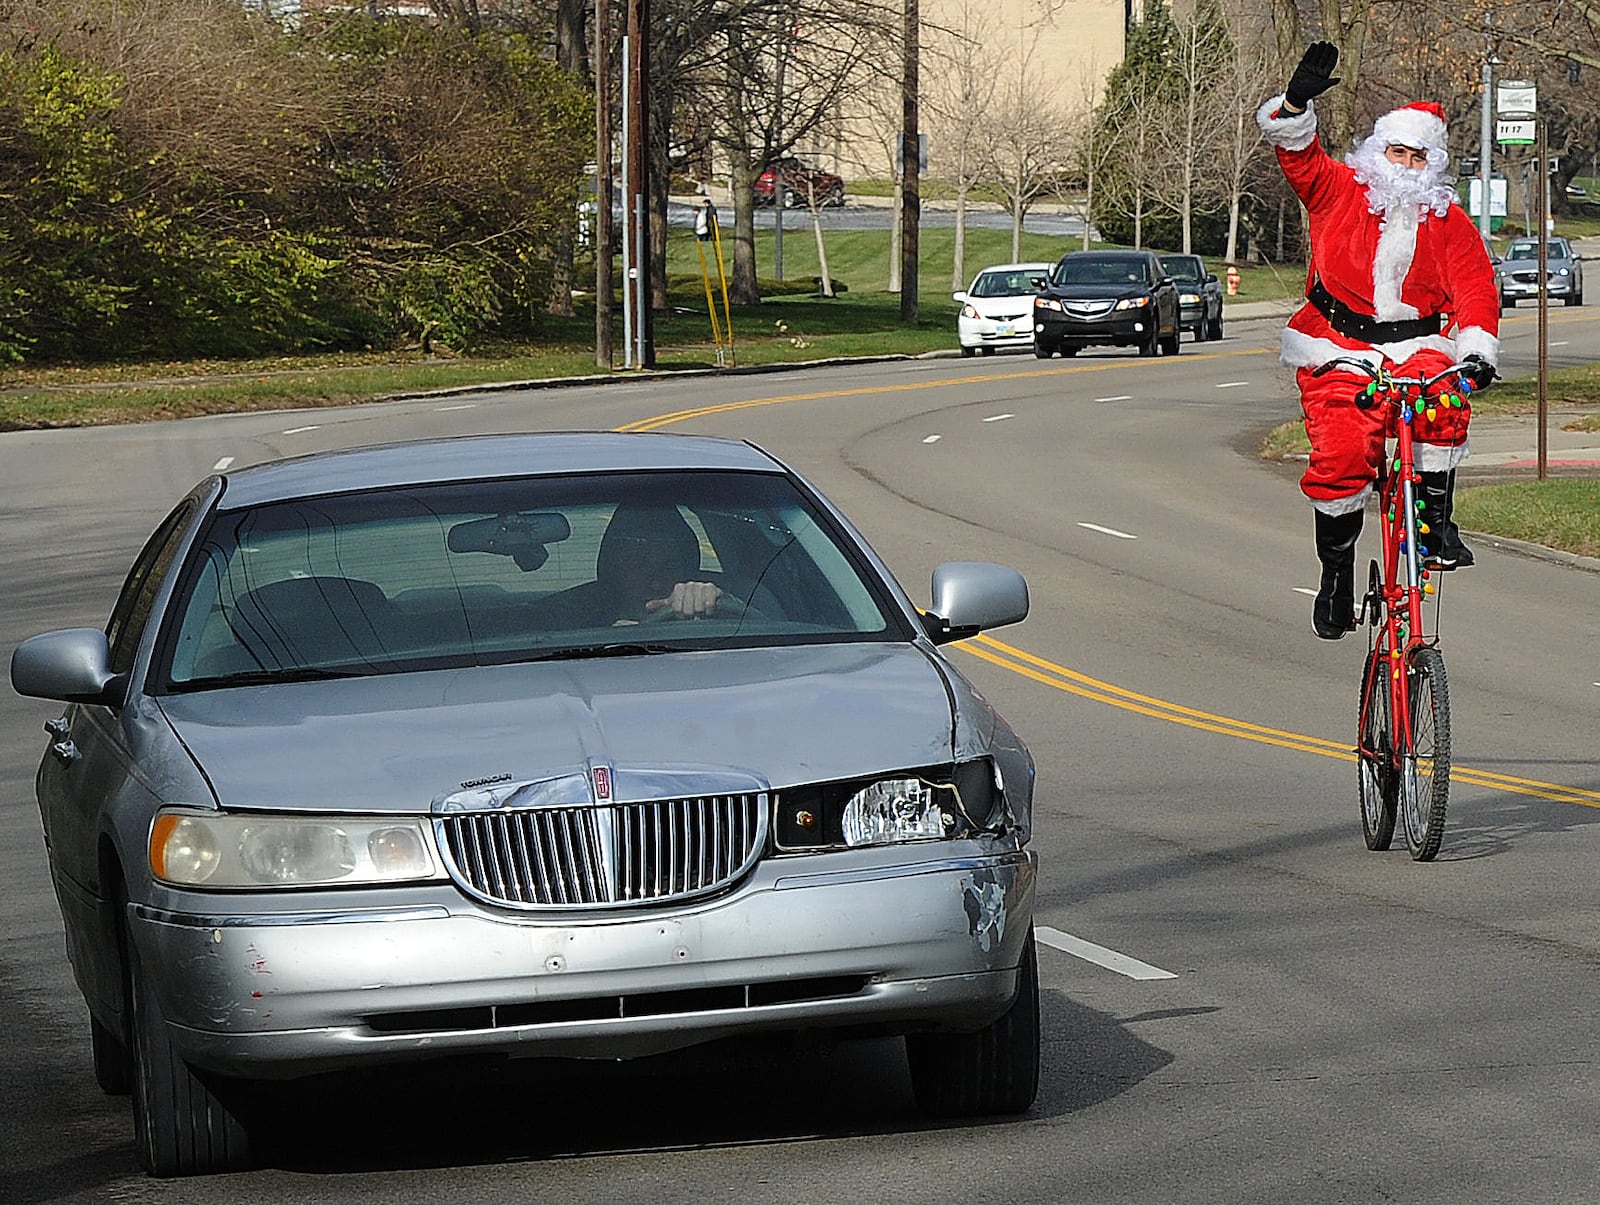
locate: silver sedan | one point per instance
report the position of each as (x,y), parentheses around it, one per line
(585,745)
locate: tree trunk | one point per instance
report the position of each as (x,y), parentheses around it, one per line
(743,288)
(958,266)
(572,55)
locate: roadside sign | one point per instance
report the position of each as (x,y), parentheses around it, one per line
(1516,98)
(1516,131)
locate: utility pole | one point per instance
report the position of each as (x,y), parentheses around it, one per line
(1486,128)
(604,287)
(638,121)
(910,171)
(1544,300)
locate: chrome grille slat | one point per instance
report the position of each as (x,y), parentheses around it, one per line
(605,855)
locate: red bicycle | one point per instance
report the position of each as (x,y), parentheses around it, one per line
(1403,725)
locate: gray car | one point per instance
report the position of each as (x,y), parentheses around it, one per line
(1518,272)
(578,745)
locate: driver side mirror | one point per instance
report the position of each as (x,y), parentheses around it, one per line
(971,596)
(69,666)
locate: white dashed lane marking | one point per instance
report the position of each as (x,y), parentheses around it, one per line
(465,406)
(1121,397)
(300,430)
(1232,384)
(222,464)
(995,418)
(1108,531)
(1122,964)
(1304,590)
(930,439)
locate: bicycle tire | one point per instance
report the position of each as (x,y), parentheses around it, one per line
(1376,781)
(1425,768)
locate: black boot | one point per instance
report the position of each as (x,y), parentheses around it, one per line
(1443,541)
(1334,612)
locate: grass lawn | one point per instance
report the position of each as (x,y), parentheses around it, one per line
(1556,512)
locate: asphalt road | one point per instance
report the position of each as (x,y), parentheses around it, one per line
(1335,1025)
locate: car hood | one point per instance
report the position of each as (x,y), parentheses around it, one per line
(398,742)
(999,307)
(1096,292)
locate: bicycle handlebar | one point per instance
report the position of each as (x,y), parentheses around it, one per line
(1365,400)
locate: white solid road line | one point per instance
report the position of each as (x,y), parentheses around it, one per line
(1108,531)
(1121,397)
(1304,590)
(1099,955)
(464,406)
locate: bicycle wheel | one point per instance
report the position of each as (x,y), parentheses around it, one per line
(1375,774)
(1425,767)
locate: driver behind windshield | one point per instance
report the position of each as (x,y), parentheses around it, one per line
(648,560)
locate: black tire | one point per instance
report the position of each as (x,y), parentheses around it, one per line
(1172,344)
(1424,793)
(836,196)
(181,1128)
(968,352)
(1150,345)
(995,1070)
(113,1069)
(790,198)
(1044,348)
(1069,350)
(988,351)
(1573,299)
(1376,781)
(1214,328)
(1507,303)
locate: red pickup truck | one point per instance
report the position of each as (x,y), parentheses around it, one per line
(799,183)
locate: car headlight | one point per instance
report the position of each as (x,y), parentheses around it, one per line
(1133,303)
(1046,303)
(907,805)
(1563,271)
(970,311)
(1189,298)
(216,849)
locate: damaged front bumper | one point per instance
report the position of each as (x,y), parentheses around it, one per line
(884,940)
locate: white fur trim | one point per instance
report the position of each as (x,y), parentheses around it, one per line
(1413,128)
(1345,505)
(1293,132)
(1475,341)
(1397,247)
(1436,458)
(1300,350)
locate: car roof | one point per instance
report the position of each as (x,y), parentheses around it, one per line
(1110,253)
(1013,267)
(482,457)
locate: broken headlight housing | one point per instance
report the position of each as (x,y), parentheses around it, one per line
(927,804)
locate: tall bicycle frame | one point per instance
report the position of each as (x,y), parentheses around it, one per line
(1402,726)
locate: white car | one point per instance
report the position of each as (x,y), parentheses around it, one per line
(997,310)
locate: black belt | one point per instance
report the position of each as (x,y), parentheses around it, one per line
(1354,325)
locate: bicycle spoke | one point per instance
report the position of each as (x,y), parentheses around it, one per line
(1425,767)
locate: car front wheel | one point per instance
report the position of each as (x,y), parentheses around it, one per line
(181,1128)
(1044,348)
(995,1070)
(1214,328)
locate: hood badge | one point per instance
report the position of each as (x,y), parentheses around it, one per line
(484,782)
(602,784)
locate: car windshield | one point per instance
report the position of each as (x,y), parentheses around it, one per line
(1189,269)
(1100,271)
(1005,284)
(1555,249)
(461,574)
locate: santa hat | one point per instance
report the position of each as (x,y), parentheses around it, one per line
(1419,125)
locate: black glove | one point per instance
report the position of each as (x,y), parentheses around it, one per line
(1313,76)
(1479,371)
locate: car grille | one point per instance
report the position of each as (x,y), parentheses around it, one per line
(609,855)
(1529,278)
(1088,309)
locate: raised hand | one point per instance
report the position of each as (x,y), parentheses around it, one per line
(1314,76)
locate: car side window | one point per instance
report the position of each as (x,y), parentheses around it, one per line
(132,612)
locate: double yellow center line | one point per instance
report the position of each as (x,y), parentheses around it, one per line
(1060,677)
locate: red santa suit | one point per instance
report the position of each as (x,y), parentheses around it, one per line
(1399,275)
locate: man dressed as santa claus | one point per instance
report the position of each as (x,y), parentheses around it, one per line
(1399,277)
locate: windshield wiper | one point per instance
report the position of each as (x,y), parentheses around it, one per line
(620,648)
(259,677)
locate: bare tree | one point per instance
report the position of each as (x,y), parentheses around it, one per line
(965,67)
(1023,135)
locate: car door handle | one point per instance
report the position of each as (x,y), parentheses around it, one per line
(65,752)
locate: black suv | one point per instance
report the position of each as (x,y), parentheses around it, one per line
(1199,296)
(1120,298)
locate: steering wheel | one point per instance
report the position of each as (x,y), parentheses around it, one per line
(727,606)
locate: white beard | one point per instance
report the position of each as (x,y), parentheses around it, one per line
(1402,196)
